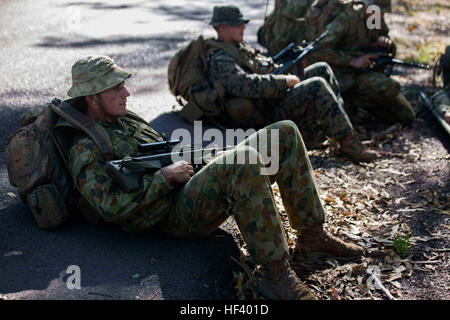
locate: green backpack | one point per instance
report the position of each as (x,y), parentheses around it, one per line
(285,24)
(188,79)
(37,162)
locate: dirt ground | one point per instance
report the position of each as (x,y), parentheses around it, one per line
(398,207)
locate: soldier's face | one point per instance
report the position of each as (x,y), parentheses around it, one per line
(232,33)
(237,32)
(114,102)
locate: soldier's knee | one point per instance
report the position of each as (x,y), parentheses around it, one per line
(285,127)
(324,67)
(246,156)
(310,84)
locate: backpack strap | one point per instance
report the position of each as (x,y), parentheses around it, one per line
(227,47)
(95,131)
(136,117)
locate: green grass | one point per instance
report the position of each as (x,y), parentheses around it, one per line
(402,246)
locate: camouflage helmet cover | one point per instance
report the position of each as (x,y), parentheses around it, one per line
(227,14)
(95,74)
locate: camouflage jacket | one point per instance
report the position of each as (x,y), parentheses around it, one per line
(134,211)
(347,32)
(284,25)
(248,77)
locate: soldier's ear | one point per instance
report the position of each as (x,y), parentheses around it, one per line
(91,100)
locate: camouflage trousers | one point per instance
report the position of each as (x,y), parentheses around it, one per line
(315,104)
(373,91)
(220,190)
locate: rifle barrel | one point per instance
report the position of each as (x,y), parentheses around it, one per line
(410,64)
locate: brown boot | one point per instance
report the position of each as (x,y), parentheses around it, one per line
(353,149)
(280,282)
(316,241)
(402,110)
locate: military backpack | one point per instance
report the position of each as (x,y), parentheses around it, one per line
(285,24)
(37,162)
(188,79)
(321,13)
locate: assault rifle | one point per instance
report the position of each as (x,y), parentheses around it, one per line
(293,54)
(385,59)
(128,172)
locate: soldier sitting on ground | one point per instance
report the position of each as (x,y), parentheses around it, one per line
(349,33)
(254,97)
(192,205)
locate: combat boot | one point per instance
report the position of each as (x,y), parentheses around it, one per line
(402,110)
(316,242)
(353,149)
(279,282)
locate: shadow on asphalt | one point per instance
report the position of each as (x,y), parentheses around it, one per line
(111,260)
(58,42)
(182,12)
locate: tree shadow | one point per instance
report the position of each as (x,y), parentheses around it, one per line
(84,42)
(101,5)
(110,260)
(182,12)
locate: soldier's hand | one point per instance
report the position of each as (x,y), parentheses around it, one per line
(385,43)
(178,172)
(362,62)
(292,80)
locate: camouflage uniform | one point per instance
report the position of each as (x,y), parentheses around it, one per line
(347,32)
(284,25)
(314,104)
(198,207)
(214,193)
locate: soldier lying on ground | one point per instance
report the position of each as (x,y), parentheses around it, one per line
(348,32)
(254,97)
(192,205)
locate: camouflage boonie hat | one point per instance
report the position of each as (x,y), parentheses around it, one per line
(95,74)
(228,14)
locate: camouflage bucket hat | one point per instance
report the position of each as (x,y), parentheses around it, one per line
(229,15)
(95,74)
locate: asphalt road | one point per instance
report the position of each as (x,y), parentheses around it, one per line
(39,42)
